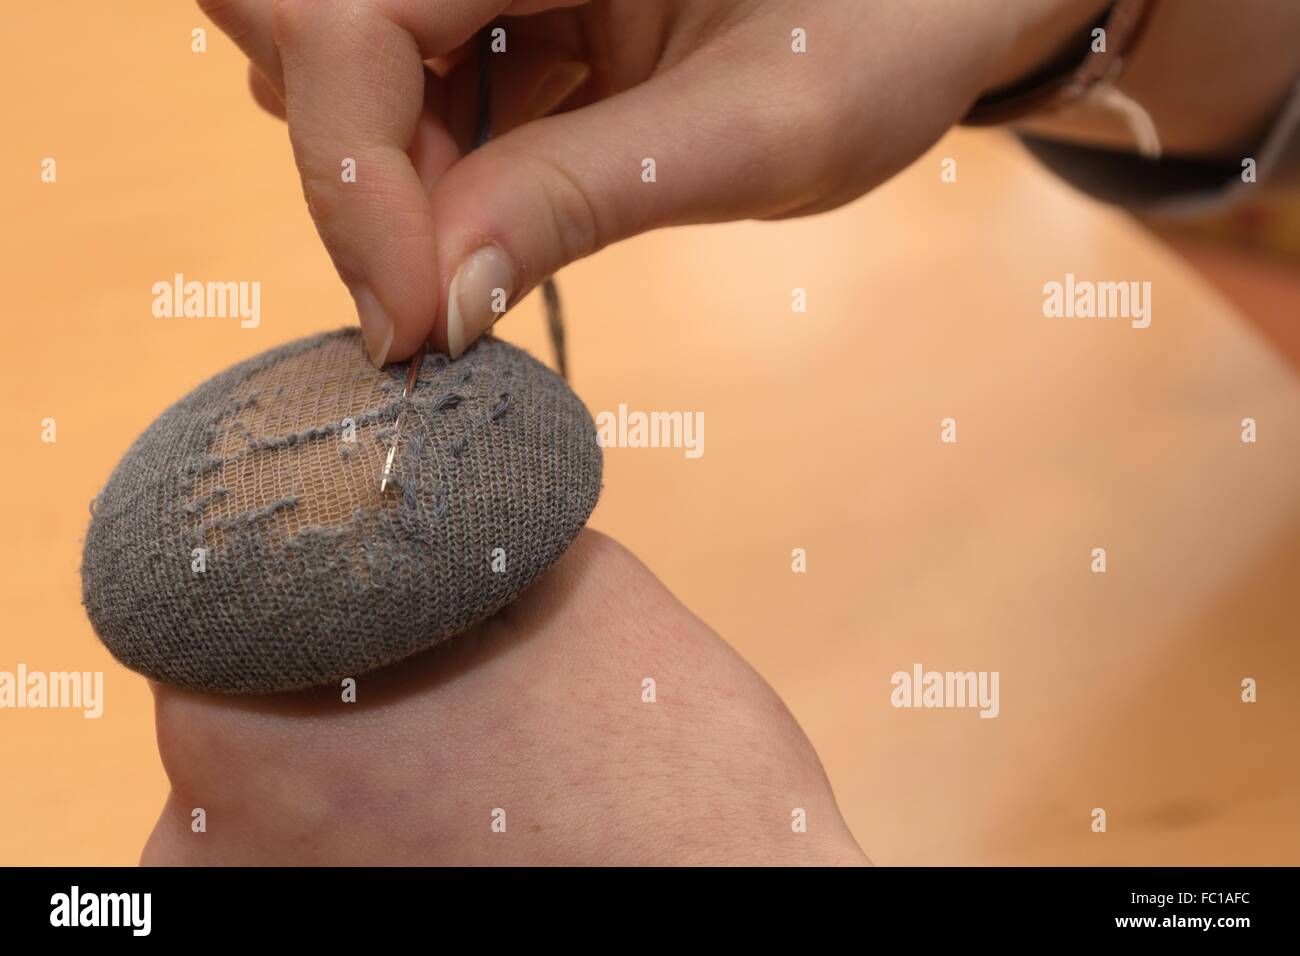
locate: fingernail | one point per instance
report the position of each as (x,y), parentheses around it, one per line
(479,294)
(557,86)
(376,327)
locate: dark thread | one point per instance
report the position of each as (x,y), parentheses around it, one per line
(449,400)
(293,438)
(483,133)
(200,505)
(483,127)
(198,467)
(252,517)
(555,325)
(501,406)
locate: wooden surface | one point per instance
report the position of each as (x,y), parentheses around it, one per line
(1118,691)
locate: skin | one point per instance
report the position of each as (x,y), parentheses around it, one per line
(538,711)
(738,125)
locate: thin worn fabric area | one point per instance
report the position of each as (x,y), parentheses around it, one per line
(242,545)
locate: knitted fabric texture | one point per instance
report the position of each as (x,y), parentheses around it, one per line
(242,544)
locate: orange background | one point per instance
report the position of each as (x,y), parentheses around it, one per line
(822,432)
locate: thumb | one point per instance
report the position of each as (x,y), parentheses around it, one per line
(676,149)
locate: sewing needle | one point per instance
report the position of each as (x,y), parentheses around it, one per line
(412,373)
(482,133)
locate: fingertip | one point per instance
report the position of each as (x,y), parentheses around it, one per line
(376,326)
(478,295)
(396,296)
(407,339)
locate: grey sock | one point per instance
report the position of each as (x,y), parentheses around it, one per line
(242,544)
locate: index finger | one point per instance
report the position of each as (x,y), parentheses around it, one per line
(354,83)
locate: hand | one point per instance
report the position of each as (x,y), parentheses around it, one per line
(539,713)
(738,125)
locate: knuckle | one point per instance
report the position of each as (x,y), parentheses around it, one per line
(575,219)
(289,18)
(229,16)
(321,195)
(217,9)
(350,21)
